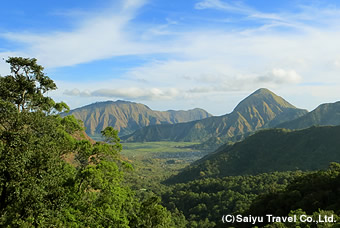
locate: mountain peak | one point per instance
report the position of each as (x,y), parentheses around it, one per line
(126,116)
(124,102)
(261,96)
(263,91)
(259,110)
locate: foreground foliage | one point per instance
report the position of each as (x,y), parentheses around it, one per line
(314,193)
(203,202)
(38,187)
(51,176)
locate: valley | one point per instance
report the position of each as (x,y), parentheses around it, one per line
(170,114)
(206,178)
(153,162)
(173,169)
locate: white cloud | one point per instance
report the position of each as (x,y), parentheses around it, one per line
(284,51)
(337,63)
(236,7)
(213,72)
(307,17)
(77,92)
(128,93)
(193,80)
(96,37)
(281,76)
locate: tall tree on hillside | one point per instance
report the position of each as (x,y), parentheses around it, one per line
(37,186)
(26,86)
(32,143)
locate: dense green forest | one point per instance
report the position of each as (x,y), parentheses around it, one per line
(38,187)
(268,151)
(314,193)
(324,115)
(204,201)
(278,194)
(52,175)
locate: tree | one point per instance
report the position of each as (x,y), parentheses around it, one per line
(32,143)
(38,187)
(33,176)
(26,86)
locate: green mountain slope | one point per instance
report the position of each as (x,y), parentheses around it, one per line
(261,109)
(268,151)
(127,117)
(314,193)
(324,115)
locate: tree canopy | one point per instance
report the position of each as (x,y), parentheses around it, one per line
(49,178)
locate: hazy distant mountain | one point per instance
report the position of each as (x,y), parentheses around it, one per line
(261,109)
(127,116)
(324,115)
(268,151)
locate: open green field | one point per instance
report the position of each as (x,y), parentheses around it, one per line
(155,161)
(181,150)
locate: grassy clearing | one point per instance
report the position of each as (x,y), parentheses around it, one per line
(155,161)
(149,148)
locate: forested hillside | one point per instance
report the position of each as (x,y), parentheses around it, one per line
(323,115)
(315,194)
(268,151)
(52,175)
(204,201)
(38,187)
(294,193)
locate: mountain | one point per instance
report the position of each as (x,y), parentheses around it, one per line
(268,151)
(261,109)
(323,115)
(127,116)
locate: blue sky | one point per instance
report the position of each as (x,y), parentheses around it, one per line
(179,54)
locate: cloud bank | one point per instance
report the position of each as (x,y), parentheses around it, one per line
(96,37)
(280,50)
(127,93)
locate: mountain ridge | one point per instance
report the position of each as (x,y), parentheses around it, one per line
(327,114)
(260,109)
(127,116)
